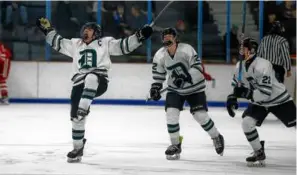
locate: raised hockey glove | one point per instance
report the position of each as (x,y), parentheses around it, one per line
(243,92)
(231,104)
(155,91)
(144,33)
(44,25)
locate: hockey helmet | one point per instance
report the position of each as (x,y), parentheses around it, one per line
(277,28)
(251,44)
(169,31)
(92,25)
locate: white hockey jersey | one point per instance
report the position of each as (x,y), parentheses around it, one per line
(94,57)
(258,75)
(185,63)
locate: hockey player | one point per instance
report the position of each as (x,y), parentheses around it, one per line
(185,83)
(91,63)
(5,59)
(266,94)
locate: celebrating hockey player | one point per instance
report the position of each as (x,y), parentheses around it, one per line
(185,83)
(260,86)
(91,62)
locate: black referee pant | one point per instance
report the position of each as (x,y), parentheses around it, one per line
(279,73)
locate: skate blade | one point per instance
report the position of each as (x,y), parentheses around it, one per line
(74,160)
(259,163)
(173,157)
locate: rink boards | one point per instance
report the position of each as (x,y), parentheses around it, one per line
(49,82)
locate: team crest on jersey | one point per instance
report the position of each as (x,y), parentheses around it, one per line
(88,58)
(179,71)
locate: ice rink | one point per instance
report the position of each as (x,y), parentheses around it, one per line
(129,140)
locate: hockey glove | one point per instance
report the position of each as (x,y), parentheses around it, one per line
(155,91)
(207,76)
(243,92)
(44,25)
(231,104)
(144,33)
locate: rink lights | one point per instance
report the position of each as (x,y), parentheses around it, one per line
(111,102)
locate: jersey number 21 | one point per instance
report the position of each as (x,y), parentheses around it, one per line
(88,59)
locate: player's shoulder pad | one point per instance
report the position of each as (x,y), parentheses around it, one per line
(262,65)
(185,47)
(107,38)
(76,41)
(160,53)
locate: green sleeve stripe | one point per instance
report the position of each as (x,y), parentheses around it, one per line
(59,44)
(159,73)
(121,46)
(53,41)
(127,45)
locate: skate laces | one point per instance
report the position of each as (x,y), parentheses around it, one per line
(73,152)
(256,153)
(172,147)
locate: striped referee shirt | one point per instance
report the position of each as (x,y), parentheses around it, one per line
(275,48)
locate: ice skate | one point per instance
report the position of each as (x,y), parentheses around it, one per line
(173,151)
(219,144)
(258,158)
(76,154)
(4,101)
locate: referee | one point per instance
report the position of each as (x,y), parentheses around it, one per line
(275,48)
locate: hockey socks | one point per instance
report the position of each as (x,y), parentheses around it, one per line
(77,137)
(253,139)
(210,129)
(172,117)
(88,94)
(251,133)
(206,123)
(4,92)
(87,97)
(78,133)
(173,130)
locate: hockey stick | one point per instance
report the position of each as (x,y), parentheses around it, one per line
(161,92)
(241,54)
(161,12)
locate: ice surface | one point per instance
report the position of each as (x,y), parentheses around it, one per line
(127,140)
